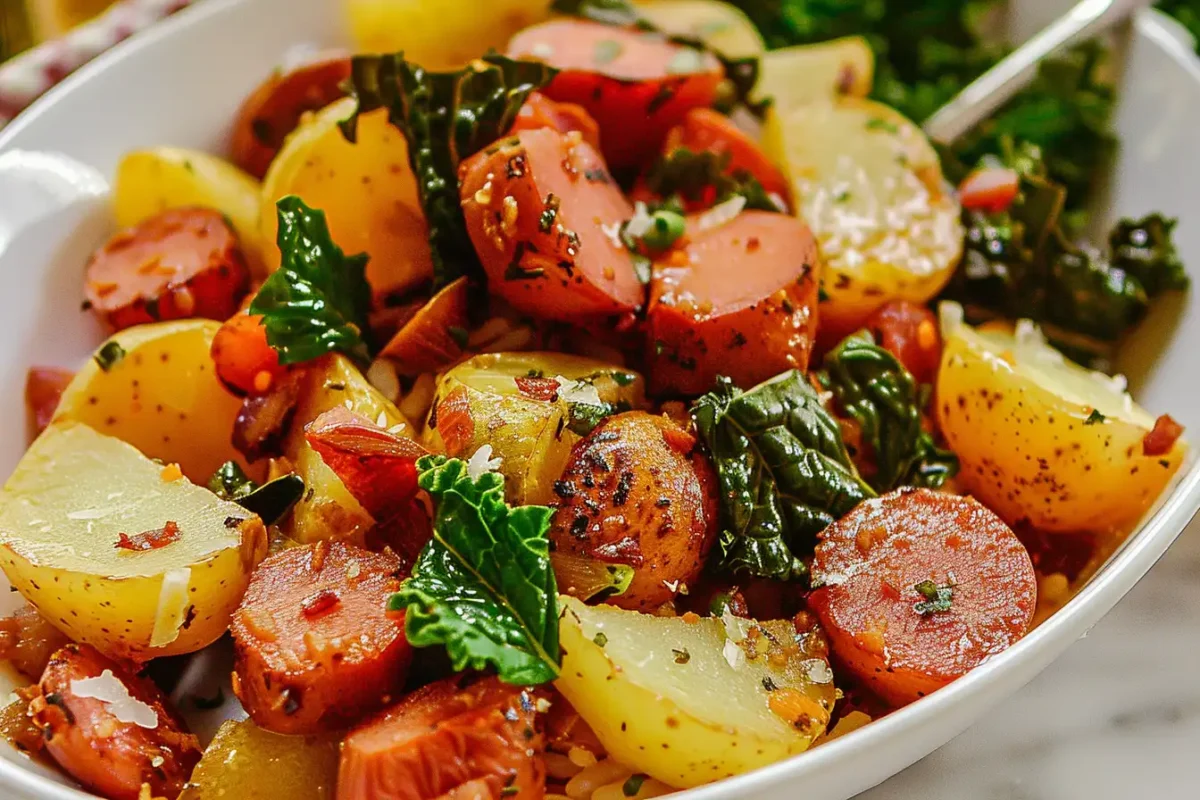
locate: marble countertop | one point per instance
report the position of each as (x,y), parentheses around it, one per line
(1117,717)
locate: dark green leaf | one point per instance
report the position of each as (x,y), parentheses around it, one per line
(109,355)
(937,598)
(633,785)
(1094,418)
(1145,250)
(875,390)
(783,469)
(483,587)
(270,501)
(317,301)
(685,176)
(446,117)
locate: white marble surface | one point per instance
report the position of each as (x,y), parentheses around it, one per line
(1117,717)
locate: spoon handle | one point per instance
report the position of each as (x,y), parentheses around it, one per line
(997,86)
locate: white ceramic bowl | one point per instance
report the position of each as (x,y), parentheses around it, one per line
(180,84)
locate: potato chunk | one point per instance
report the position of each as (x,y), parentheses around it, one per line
(870,186)
(528,407)
(722,26)
(155,387)
(248,763)
(683,702)
(62,516)
(1042,440)
(809,73)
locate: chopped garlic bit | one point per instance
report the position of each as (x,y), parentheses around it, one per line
(578,392)
(542,705)
(721,214)
(736,628)
(640,222)
(382,375)
(482,463)
(672,586)
(613,233)
(116,698)
(734,655)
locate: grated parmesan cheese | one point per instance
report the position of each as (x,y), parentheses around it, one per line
(482,463)
(116,698)
(172,607)
(721,214)
(641,221)
(577,392)
(734,655)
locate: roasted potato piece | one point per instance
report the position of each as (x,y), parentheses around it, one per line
(110,729)
(810,73)
(178,264)
(691,702)
(528,407)
(155,387)
(316,648)
(366,189)
(442,35)
(638,492)
(722,26)
(870,186)
(248,763)
(1042,440)
(122,553)
(149,182)
(328,508)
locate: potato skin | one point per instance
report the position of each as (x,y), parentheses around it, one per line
(316,648)
(111,757)
(637,491)
(1029,453)
(245,761)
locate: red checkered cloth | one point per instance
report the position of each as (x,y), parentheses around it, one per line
(31,74)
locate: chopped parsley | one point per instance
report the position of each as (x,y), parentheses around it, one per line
(109,355)
(1094,418)
(600,639)
(937,598)
(633,785)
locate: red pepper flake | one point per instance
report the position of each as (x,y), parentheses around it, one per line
(538,388)
(148,540)
(319,603)
(1159,441)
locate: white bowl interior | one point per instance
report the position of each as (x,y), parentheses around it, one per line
(180,84)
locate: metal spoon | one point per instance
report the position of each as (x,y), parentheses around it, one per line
(997,86)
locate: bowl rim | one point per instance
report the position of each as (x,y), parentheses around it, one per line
(1020,663)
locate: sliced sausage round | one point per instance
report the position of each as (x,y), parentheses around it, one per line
(543,213)
(637,491)
(636,85)
(109,729)
(917,588)
(184,262)
(739,300)
(316,648)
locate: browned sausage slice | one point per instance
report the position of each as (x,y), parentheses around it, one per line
(316,648)
(918,588)
(544,213)
(185,262)
(637,491)
(738,299)
(109,729)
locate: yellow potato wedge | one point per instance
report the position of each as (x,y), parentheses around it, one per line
(682,702)
(481,401)
(245,762)
(151,181)
(870,186)
(808,73)
(62,514)
(721,26)
(366,189)
(439,35)
(327,507)
(1042,440)
(162,396)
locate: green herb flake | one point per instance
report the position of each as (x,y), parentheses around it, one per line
(624,378)
(600,639)
(317,301)
(109,355)
(270,501)
(880,124)
(682,656)
(549,214)
(607,50)
(1094,418)
(666,228)
(686,175)
(509,791)
(685,62)
(938,599)
(483,587)
(633,785)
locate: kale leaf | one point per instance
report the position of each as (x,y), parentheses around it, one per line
(317,301)
(875,390)
(483,587)
(1144,249)
(269,501)
(783,469)
(446,117)
(685,176)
